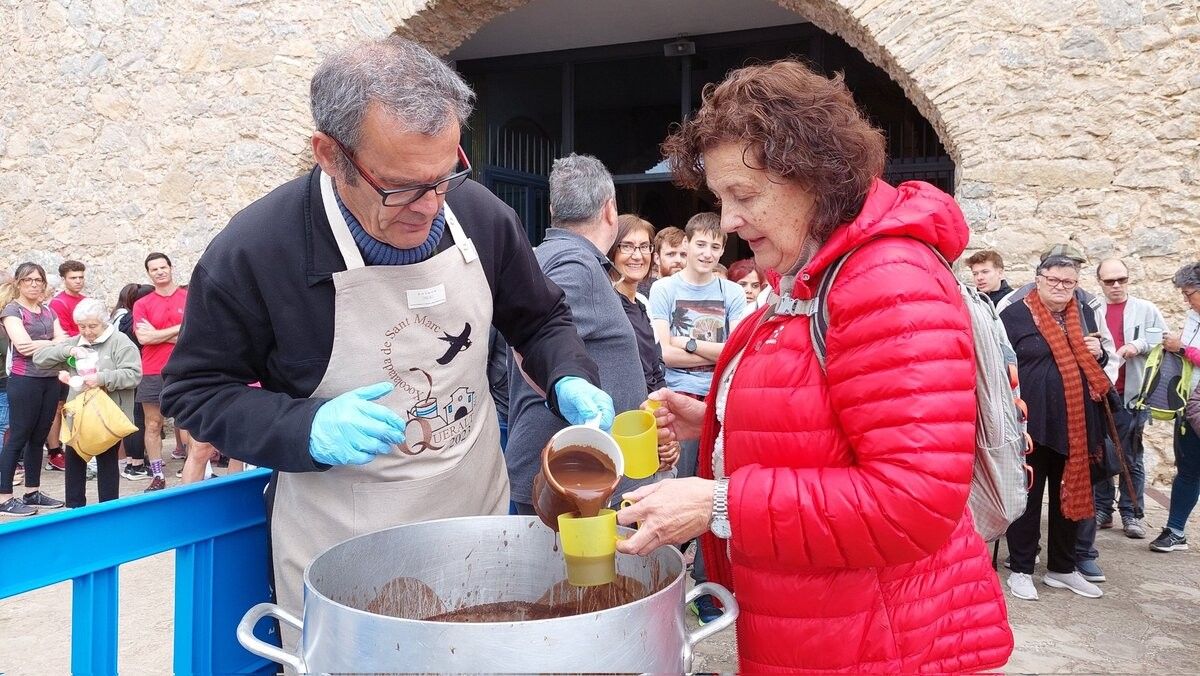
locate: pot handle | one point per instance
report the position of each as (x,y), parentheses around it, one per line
(245,635)
(727,618)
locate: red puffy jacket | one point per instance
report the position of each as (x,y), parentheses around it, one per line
(852,547)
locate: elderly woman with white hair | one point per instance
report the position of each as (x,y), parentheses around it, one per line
(117,370)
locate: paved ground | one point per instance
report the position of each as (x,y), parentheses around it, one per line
(1147,622)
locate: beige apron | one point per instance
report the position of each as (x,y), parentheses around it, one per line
(425,328)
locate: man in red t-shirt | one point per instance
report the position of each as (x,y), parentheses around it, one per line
(157,320)
(72,273)
(1130,320)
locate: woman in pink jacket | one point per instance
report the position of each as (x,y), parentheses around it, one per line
(833,498)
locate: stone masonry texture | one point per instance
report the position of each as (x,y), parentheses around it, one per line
(129,126)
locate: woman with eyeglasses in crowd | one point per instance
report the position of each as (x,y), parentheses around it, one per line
(32,391)
(632,255)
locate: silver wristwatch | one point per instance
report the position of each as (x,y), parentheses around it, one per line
(720,514)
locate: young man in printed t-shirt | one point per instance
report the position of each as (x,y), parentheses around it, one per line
(693,312)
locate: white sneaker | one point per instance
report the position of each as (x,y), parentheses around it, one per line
(1073,581)
(1021,586)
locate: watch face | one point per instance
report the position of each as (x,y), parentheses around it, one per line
(721,529)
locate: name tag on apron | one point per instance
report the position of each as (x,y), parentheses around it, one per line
(419,298)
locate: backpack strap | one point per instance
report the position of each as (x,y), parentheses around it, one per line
(818,322)
(819,316)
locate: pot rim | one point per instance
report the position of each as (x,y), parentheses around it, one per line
(310,588)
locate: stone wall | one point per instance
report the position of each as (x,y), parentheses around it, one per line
(144,125)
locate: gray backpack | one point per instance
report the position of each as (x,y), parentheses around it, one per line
(999,484)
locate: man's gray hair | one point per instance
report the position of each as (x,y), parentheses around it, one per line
(580,185)
(417,88)
(90,308)
(1188,277)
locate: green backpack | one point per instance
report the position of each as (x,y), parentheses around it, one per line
(1165,383)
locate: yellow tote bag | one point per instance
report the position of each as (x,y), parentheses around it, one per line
(93,423)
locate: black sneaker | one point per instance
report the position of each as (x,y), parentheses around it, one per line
(40,499)
(136,472)
(17,507)
(1168,541)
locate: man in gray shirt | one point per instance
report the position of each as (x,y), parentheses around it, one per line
(583,215)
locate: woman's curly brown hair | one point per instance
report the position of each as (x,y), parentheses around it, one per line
(796,124)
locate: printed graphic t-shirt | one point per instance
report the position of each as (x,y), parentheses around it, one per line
(39,326)
(162,312)
(705,312)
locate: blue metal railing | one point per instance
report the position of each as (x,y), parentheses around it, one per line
(218,530)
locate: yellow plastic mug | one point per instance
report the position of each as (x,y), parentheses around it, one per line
(589,547)
(636,432)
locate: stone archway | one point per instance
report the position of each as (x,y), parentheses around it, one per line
(1065,121)
(446,24)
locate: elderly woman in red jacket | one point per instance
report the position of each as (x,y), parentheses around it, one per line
(833,499)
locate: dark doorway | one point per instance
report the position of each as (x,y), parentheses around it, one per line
(618,102)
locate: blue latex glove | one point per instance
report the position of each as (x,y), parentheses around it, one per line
(351,430)
(580,402)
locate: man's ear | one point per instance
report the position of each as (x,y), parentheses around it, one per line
(327,153)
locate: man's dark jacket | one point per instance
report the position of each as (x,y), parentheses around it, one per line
(999,293)
(260,308)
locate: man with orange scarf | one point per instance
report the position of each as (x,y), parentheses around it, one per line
(1061,366)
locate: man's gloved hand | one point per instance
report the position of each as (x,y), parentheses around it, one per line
(580,401)
(351,430)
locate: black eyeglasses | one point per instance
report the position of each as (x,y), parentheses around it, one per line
(402,197)
(1113,282)
(1060,283)
(628,248)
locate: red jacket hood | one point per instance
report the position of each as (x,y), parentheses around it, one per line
(913,209)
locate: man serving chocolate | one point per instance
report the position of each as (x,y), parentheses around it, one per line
(361,296)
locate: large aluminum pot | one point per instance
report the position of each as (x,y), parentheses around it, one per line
(424,569)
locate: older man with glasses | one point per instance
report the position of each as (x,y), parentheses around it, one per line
(361,295)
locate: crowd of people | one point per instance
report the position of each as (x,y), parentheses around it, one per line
(45,331)
(1082,359)
(827,486)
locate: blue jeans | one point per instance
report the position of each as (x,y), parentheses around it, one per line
(1130,425)
(1186,488)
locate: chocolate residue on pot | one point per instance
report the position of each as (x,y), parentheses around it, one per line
(505,611)
(561,600)
(406,597)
